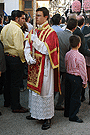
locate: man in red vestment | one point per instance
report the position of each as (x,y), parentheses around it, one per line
(43,69)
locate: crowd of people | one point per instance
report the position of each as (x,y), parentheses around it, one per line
(56,56)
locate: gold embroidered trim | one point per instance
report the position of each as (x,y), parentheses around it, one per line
(53,50)
(53,66)
(38,75)
(45,34)
(33,90)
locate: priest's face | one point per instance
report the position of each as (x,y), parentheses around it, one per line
(40,19)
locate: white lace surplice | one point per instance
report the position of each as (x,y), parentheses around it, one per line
(42,106)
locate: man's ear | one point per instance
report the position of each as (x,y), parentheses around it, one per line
(16,19)
(46,17)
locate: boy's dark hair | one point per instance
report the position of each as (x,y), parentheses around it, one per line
(44,10)
(88,43)
(74,41)
(16,13)
(56,19)
(72,23)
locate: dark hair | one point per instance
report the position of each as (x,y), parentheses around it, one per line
(0,20)
(74,41)
(16,13)
(5,17)
(56,19)
(24,27)
(87,20)
(81,21)
(72,23)
(88,43)
(27,17)
(62,19)
(44,10)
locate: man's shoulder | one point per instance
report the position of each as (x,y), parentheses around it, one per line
(63,33)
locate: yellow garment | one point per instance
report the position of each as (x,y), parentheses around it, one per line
(12,38)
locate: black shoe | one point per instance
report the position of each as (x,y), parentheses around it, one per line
(0,113)
(47,124)
(83,99)
(78,120)
(29,118)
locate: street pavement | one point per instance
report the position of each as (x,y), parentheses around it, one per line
(17,124)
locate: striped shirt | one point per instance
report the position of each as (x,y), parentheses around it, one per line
(76,65)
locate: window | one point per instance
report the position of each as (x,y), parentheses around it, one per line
(28,4)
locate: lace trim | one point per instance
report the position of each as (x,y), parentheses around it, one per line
(41,107)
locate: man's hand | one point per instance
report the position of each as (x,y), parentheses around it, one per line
(33,37)
(84,85)
(30,60)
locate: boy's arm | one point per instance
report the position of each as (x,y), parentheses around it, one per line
(83,71)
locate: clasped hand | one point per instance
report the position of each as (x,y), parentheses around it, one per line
(30,60)
(34,36)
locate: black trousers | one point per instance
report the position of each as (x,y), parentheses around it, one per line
(2,81)
(73,86)
(14,74)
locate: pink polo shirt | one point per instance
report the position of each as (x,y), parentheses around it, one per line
(76,65)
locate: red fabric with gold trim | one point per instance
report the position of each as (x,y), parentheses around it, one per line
(36,72)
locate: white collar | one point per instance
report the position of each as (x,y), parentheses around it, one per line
(40,26)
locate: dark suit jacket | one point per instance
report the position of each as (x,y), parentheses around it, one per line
(2,59)
(82,49)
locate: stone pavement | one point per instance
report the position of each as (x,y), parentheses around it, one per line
(17,124)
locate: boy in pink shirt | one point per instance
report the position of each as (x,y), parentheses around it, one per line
(75,77)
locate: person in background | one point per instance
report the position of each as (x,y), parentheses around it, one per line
(64,46)
(62,24)
(56,20)
(25,31)
(2,62)
(88,67)
(83,50)
(6,20)
(30,26)
(76,76)
(86,31)
(12,38)
(1,23)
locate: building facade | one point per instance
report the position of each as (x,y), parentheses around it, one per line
(6,6)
